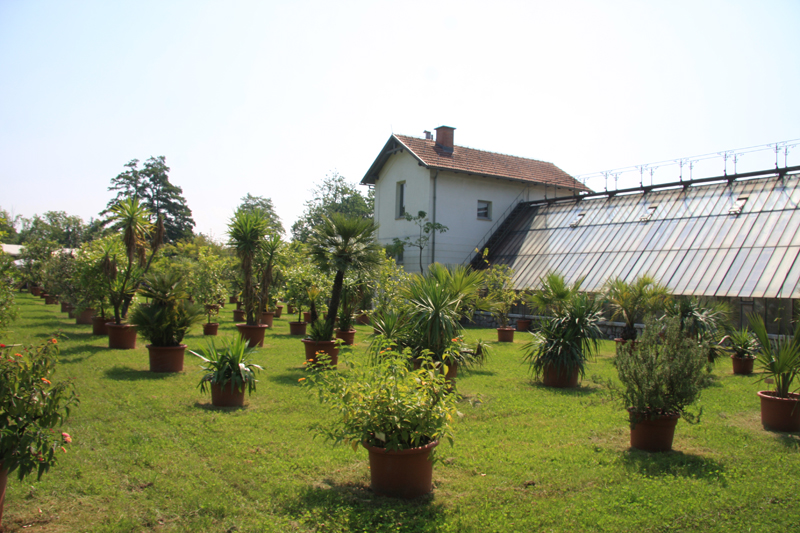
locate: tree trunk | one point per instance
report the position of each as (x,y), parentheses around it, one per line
(336,295)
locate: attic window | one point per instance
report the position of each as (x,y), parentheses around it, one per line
(648,214)
(577,220)
(736,208)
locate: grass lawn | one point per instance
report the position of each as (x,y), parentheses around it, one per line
(149,453)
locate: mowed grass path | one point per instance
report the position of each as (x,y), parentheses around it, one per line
(151,454)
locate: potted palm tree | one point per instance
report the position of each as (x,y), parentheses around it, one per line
(743,347)
(339,245)
(661,376)
(778,360)
(633,301)
(246,231)
(230,371)
(165,319)
(562,344)
(132,220)
(399,415)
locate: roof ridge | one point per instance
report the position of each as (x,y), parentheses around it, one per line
(478,149)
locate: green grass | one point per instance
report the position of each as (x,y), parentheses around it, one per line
(150,453)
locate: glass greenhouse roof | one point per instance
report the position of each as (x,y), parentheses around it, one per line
(737,239)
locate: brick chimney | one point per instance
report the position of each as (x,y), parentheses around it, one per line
(444,138)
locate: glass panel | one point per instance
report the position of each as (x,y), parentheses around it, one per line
(625,264)
(654,235)
(789,288)
(643,264)
(740,268)
(718,271)
(662,268)
(702,264)
(737,231)
(758,195)
(666,233)
(594,277)
(759,237)
(791,235)
(759,222)
(677,281)
(744,286)
(789,258)
(674,242)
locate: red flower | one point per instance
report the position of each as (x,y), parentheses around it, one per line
(67,438)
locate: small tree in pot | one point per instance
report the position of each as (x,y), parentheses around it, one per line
(209,287)
(501,296)
(660,377)
(247,230)
(398,415)
(230,371)
(166,319)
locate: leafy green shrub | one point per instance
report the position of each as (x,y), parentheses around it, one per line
(168,316)
(30,407)
(385,405)
(664,372)
(229,363)
(778,359)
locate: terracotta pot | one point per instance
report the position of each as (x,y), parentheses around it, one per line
(85,316)
(563,379)
(329,347)
(266,318)
(362,319)
(524,324)
(307,316)
(253,334)
(290,309)
(50,300)
(780,414)
(3,483)
(401,474)
(297,328)
(36,291)
(99,325)
(505,334)
(227,397)
(122,336)
(233,300)
(348,337)
(742,365)
(43,295)
(65,307)
(653,434)
(238,315)
(278,311)
(166,358)
(210,328)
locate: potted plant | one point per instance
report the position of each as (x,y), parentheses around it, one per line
(265,263)
(350,297)
(339,245)
(562,344)
(31,407)
(633,301)
(501,296)
(247,230)
(165,319)
(778,360)
(743,347)
(88,290)
(399,415)
(702,320)
(298,278)
(209,286)
(132,220)
(660,376)
(229,371)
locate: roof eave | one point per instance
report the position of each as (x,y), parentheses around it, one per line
(509,178)
(388,149)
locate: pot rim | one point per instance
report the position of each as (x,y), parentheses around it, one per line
(771,394)
(262,326)
(649,415)
(178,347)
(115,325)
(408,451)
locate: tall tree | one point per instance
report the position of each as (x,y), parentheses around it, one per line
(264,206)
(56,226)
(333,195)
(157,195)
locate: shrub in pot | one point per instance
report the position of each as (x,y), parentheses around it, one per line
(230,371)
(31,406)
(562,344)
(778,360)
(661,376)
(399,415)
(743,347)
(500,296)
(165,319)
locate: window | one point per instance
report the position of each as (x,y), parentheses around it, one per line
(574,223)
(400,208)
(736,208)
(484,210)
(648,214)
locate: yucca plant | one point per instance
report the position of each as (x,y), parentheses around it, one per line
(741,343)
(231,363)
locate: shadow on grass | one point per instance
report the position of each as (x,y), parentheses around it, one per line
(583,389)
(124,373)
(355,503)
(475,372)
(790,440)
(674,463)
(77,354)
(288,378)
(208,406)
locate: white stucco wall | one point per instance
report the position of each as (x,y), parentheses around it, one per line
(456,206)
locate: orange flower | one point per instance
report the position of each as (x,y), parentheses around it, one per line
(67,438)
(64,449)
(301,379)
(54,341)
(18,355)
(46,381)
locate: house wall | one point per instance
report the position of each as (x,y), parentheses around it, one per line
(456,198)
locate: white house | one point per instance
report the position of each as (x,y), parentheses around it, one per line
(469,191)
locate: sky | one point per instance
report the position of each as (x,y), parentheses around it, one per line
(267,98)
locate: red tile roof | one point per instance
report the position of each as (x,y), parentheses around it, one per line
(480,162)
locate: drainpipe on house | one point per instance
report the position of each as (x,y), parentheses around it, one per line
(433,238)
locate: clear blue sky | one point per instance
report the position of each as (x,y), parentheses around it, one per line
(267,97)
